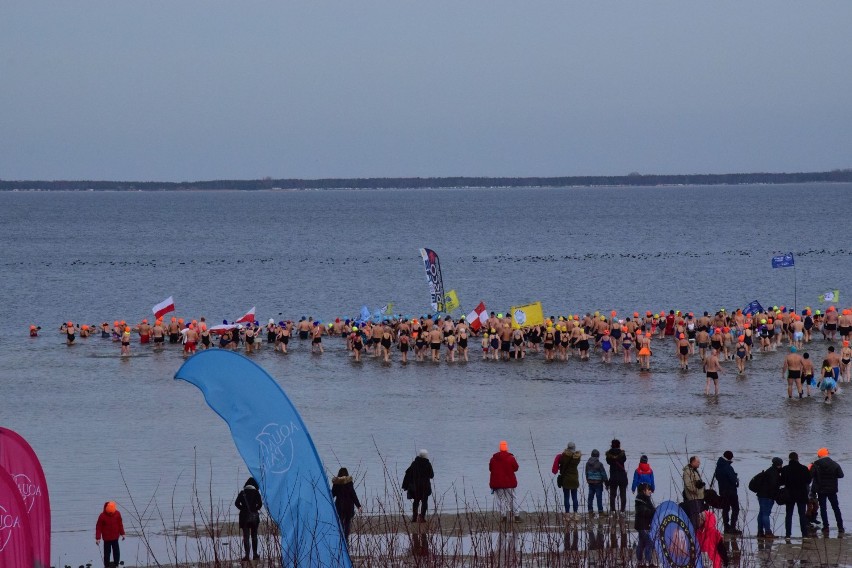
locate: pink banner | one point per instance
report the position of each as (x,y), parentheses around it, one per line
(15,538)
(22,465)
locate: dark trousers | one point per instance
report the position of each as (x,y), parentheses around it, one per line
(346,525)
(831,498)
(111,545)
(803,521)
(250,531)
(423,504)
(730,510)
(622,494)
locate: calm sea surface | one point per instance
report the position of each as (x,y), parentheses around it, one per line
(92,257)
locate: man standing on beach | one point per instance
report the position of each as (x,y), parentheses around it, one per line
(825,472)
(503,482)
(728,483)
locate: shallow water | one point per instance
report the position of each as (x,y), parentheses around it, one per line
(93,257)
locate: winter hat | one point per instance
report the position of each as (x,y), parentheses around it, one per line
(423,454)
(504,446)
(822,452)
(595,453)
(728,455)
(251,481)
(643,459)
(616,444)
(777,462)
(571,447)
(110,507)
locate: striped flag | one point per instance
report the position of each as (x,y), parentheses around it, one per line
(477,318)
(248,318)
(164,307)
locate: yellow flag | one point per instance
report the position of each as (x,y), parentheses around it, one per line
(451,301)
(530,314)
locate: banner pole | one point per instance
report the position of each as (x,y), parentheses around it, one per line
(795,291)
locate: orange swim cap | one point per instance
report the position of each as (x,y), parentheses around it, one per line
(174,319)
(84,327)
(504,446)
(741,338)
(126,330)
(110,507)
(115,323)
(32,327)
(180,320)
(612,313)
(682,336)
(144,321)
(635,314)
(70,324)
(822,452)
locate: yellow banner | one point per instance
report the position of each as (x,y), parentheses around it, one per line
(451,301)
(530,314)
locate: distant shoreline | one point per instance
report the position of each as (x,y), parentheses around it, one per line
(268,184)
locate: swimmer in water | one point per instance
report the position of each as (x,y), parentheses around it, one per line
(125,342)
(70,332)
(807,372)
(741,353)
(792,371)
(712,368)
(683,352)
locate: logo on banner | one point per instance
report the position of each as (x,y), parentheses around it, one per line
(8,523)
(674,537)
(276,447)
(520,317)
(29,490)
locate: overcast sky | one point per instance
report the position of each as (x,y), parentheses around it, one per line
(187,90)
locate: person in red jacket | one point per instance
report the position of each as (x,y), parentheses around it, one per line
(503,482)
(110,527)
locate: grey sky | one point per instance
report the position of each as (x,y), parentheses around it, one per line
(181,90)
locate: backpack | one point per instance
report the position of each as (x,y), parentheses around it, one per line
(756,482)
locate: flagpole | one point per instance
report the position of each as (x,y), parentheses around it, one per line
(795,291)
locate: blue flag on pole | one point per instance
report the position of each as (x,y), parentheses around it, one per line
(783,260)
(279,453)
(753,308)
(365,314)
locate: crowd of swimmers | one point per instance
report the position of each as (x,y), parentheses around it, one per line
(721,336)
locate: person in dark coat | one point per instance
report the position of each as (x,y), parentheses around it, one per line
(249,503)
(767,491)
(418,484)
(645,509)
(796,478)
(728,483)
(616,459)
(345,499)
(825,472)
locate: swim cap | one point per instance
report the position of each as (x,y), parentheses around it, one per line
(110,507)
(354,328)
(122,322)
(504,446)
(845,344)
(32,327)
(682,336)
(144,321)
(818,312)
(793,349)
(70,324)
(635,314)
(180,321)
(174,319)
(763,321)
(612,313)
(126,330)
(741,338)
(822,452)
(500,315)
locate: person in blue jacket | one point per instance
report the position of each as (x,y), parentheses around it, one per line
(728,483)
(643,474)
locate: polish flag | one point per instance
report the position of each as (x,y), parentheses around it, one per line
(248,318)
(477,318)
(164,307)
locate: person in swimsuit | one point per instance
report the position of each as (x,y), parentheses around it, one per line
(357,343)
(583,345)
(463,339)
(834,360)
(404,342)
(190,340)
(494,344)
(386,340)
(828,384)
(450,340)
(606,347)
(316,338)
(807,372)
(485,342)
(125,342)
(144,332)
(70,332)
(435,339)
(845,360)
(205,336)
(250,339)
(564,343)
(627,345)
(712,368)
(741,352)
(792,371)
(683,352)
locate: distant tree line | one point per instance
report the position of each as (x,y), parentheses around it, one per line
(632,179)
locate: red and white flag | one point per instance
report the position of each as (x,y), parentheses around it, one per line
(477,318)
(248,318)
(164,307)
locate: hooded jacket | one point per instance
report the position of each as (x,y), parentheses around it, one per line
(345,498)
(825,473)
(616,458)
(708,538)
(770,483)
(417,480)
(643,474)
(595,471)
(693,486)
(248,501)
(109,526)
(726,476)
(503,466)
(568,466)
